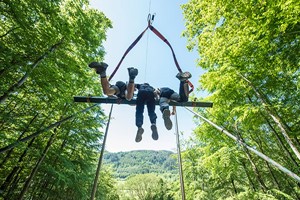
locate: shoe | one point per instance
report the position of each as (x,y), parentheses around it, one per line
(167,120)
(154,132)
(139,134)
(133,72)
(100,67)
(183,76)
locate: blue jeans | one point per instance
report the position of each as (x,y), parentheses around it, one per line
(169,94)
(145,97)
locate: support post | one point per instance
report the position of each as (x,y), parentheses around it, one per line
(101,157)
(179,158)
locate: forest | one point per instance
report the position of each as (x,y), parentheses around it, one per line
(126,164)
(49,145)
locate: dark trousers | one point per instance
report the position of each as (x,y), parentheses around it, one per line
(145,97)
(169,94)
(183,97)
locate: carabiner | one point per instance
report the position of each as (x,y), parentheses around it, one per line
(150,18)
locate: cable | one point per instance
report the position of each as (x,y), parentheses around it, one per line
(147,44)
(261,155)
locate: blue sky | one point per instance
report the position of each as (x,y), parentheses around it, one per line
(155,63)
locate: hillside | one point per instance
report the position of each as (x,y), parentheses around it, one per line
(129,163)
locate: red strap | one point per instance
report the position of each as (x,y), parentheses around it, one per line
(154,30)
(127,51)
(191,86)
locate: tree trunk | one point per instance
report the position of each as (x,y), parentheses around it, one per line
(44,183)
(248,176)
(4,113)
(14,184)
(22,134)
(285,130)
(9,31)
(233,185)
(35,169)
(281,144)
(292,189)
(254,167)
(16,168)
(4,149)
(287,152)
(259,142)
(15,86)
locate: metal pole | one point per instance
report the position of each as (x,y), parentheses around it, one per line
(263,156)
(179,158)
(100,157)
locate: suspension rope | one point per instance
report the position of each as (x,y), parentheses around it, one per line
(101,157)
(179,158)
(266,158)
(146,62)
(158,34)
(126,52)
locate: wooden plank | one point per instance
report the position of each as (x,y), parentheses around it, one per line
(109,100)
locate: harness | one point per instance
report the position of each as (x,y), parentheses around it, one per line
(158,34)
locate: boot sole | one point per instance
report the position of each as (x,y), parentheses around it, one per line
(167,120)
(139,134)
(154,132)
(101,65)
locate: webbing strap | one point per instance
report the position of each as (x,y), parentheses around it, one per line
(127,51)
(154,30)
(158,34)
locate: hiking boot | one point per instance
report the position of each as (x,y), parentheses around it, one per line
(100,67)
(154,132)
(167,120)
(133,72)
(139,134)
(183,76)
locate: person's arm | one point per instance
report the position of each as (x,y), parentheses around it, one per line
(173,110)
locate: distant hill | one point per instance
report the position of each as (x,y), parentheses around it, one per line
(142,162)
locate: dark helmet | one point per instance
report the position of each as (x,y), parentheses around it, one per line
(122,87)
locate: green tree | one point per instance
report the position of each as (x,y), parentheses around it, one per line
(147,187)
(53,142)
(249,51)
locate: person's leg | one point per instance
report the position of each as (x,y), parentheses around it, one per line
(133,72)
(151,110)
(183,88)
(152,116)
(163,103)
(100,69)
(139,117)
(183,91)
(154,132)
(139,114)
(166,95)
(107,88)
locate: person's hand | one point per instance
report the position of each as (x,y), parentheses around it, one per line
(173,110)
